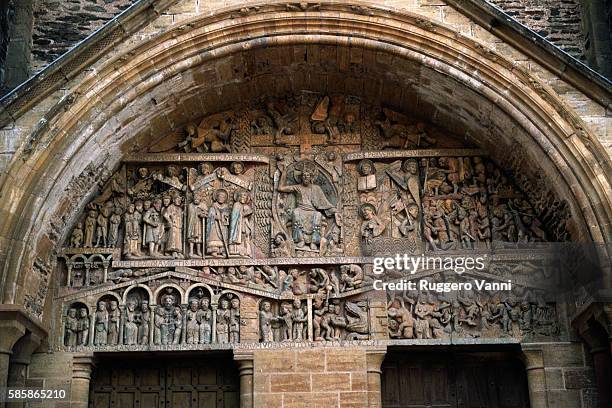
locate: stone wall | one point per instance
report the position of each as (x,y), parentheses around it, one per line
(310,378)
(59,25)
(556,20)
(570,380)
(6,13)
(15,43)
(51,371)
(597,29)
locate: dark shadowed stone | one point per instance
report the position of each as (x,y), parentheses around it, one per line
(576,378)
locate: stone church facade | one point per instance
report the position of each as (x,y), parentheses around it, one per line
(193,198)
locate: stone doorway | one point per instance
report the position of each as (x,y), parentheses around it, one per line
(453,379)
(154,382)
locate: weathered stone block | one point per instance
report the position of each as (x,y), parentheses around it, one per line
(310,360)
(359,381)
(345,360)
(563,355)
(52,365)
(331,382)
(564,399)
(290,383)
(268,400)
(261,383)
(589,398)
(576,378)
(554,378)
(311,400)
(353,399)
(274,361)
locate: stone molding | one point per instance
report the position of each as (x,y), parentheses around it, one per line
(16,314)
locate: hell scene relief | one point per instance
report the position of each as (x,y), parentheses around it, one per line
(258,226)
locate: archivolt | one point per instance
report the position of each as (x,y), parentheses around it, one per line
(72,138)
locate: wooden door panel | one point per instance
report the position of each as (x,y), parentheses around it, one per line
(179,399)
(207,399)
(165,383)
(231,399)
(101,400)
(150,399)
(126,399)
(206,376)
(416,384)
(453,380)
(390,385)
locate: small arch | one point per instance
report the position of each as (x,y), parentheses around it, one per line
(74,258)
(101,257)
(230,292)
(158,293)
(145,288)
(207,288)
(109,295)
(78,306)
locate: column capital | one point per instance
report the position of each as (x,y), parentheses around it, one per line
(83,365)
(533,358)
(374,358)
(243,355)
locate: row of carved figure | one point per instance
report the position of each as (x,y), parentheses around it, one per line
(421,317)
(324,117)
(138,322)
(158,221)
(297,281)
(447,202)
(465,203)
(332,319)
(169,323)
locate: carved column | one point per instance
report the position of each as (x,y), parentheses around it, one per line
(122,309)
(92,325)
(69,265)
(184,309)
(213,307)
(87,273)
(374,359)
(310,318)
(82,367)
(19,362)
(536,377)
(245,367)
(152,325)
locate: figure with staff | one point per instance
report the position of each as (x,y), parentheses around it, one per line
(217,225)
(196,213)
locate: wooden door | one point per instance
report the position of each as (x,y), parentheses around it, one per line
(165,383)
(453,380)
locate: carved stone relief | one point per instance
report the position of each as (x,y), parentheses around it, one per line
(522,313)
(285,200)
